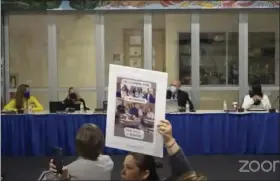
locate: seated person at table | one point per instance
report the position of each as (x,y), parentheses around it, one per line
(256,99)
(23,101)
(121,108)
(133,110)
(91,164)
(150,114)
(176,93)
(73,98)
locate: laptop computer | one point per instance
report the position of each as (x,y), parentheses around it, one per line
(56,106)
(171,105)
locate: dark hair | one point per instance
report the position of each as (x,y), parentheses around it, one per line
(89,141)
(146,162)
(20,95)
(191,176)
(257,90)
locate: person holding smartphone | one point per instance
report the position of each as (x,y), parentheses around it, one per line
(91,164)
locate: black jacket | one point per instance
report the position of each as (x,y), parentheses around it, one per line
(70,104)
(182,98)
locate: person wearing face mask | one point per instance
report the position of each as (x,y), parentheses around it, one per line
(73,98)
(176,93)
(23,101)
(256,99)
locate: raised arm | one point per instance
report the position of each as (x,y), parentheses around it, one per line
(178,161)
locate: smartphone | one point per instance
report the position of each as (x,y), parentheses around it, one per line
(58,159)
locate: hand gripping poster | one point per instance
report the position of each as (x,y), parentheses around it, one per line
(136,104)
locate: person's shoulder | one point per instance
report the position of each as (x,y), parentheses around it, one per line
(265,96)
(247,97)
(183,92)
(32,98)
(106,161)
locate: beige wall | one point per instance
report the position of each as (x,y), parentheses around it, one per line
(28,44)
(76,43)
(115,25)
(28,40)
(76,50)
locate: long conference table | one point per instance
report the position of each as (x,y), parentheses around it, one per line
(197,133)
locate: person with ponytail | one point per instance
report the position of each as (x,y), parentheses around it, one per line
(23,101)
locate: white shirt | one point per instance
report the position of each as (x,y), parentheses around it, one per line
(248,103)
(140,112)
(123,94)
(151,115)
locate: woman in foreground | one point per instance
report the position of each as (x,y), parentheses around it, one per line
(143,167)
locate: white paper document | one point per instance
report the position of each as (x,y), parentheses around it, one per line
(136,104)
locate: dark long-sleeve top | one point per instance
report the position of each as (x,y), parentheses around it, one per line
(179,165)
(182,98)
(70,104)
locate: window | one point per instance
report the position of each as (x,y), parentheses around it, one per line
(185,58)
(219,49)
(178,41)
(263,63)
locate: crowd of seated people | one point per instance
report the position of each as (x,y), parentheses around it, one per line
(136,92)
(24,102)
(93,165)
(137,112)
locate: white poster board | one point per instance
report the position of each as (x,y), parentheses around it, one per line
(136,104)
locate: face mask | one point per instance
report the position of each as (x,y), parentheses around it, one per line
(26,95)
(73,96)
(173,89)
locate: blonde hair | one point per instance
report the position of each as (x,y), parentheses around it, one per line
(192,176)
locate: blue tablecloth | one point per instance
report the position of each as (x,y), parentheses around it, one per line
(29,135)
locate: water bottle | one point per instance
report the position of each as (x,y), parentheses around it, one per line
(187,107)
(225,105)
(82,109)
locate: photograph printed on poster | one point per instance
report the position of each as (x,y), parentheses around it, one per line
(135,109)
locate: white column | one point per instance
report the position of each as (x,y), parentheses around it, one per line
(6,58)
(100,60)
(277,61)
(148,42)
(243,55)
(52,59)
(195,59)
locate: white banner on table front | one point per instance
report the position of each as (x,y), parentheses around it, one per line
(136,104)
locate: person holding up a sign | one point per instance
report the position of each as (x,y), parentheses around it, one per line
(137,166)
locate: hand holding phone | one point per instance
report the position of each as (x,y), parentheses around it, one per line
(58,160)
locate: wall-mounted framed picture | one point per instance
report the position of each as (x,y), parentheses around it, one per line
(13,81)
(135,40)
(135,62)
(117,58)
